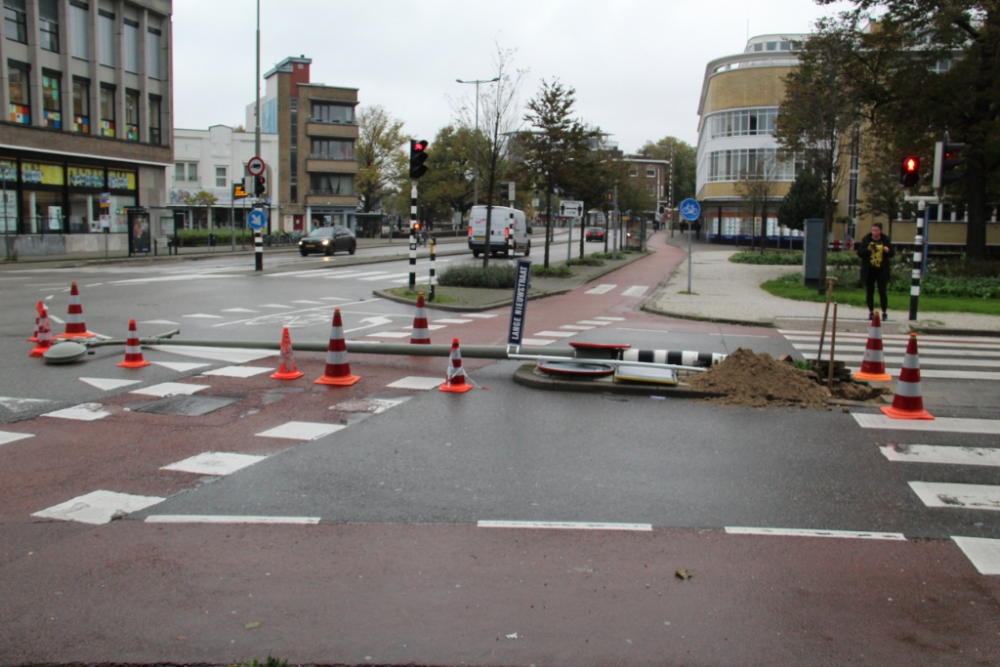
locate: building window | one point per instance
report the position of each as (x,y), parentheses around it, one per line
(323,112)
(131,115)
(293,165)
(153,68)
(179,174)
(15,21)
(130,48)
(81,106)
(48,25)
(192,171)
(20,100)
(51,103)
(633,171)
(106,38)
(332,149)
(80,35)
(186,171)
(331,184)
(733,164)
(650,172)
(155,137)
(107,110)
(220,177)
(748,122)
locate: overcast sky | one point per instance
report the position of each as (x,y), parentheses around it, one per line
(637,65)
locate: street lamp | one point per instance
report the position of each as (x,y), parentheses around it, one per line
(475,182)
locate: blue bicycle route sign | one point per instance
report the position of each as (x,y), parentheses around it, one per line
(690,209)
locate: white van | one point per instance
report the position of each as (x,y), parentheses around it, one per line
(509,231)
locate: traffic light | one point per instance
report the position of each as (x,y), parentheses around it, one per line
(945,162)
(259,186)
(418,155)
(909,171)
(504,196)
(607,196)
(239,192)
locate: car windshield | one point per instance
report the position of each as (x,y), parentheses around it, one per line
(321,233)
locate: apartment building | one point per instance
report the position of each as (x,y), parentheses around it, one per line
(317,132)
(88,89)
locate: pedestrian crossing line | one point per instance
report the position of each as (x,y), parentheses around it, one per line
(610,319)
(924,352)
(924,361)
(537,342)
(924,344)
(555,334)
(279,306)
(566,525)
(389,334)
(226,519)
(931,374)
(452,320)
(7,437)
(596,323)
(402,281)
(636,290)
(576,327)
(601,289)
(963,496)
(805,532)
(982,552)
(355,274)
(990,341)
(392,276)
(941,424)
(976,456)
(484,316)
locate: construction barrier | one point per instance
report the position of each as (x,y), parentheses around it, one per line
(873,364)
(676,357)
(908,403)
(44,335)
(456,381)
(287,370)
(420,335)
(133,350)
(338,370)
(76,327)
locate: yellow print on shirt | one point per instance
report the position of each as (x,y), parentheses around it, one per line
(876,260)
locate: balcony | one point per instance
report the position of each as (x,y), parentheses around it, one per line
(322,164)
(314,129)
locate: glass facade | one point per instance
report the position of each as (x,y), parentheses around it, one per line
(732,164)
(332,149)
(324,112)
(747,122)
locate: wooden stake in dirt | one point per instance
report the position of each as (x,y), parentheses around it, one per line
(826,312)
(833,344)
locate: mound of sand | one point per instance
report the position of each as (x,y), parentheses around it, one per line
(758,380)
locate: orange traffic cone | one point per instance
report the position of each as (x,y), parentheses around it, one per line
(287,370)
(44,335)
(873,364)
(133,350)
(338,370)
(908,402)
(421,335)
(75,325)
(38,319)
(456,374)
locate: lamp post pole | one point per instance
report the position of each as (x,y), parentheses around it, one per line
(256,135)
(475,182)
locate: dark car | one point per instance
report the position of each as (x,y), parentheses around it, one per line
(328,240)
(595,234)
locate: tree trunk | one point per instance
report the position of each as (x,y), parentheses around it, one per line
(763,226)
(548,223)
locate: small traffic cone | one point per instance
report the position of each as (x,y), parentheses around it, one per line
(44,335)
(873,364)
(456,374)
(287,370)
(75,325)
(908,402)
(338,370)
(38,319)
(133,350)
(421,335)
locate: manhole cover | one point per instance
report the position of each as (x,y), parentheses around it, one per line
(189,406)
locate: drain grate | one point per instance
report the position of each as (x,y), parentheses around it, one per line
(188,406)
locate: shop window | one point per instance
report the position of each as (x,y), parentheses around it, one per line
(78,20)
(15,21)
(81,106)
(220,177)
(107,110)
(106,38)
(155,137)
(51,104)
(132,115)
(48,25)
(20,100)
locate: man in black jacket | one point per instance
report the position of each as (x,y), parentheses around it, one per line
(875,251)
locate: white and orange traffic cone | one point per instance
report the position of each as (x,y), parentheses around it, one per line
(420,334)
(76,327)
(338,370)
(44,335)
(456,382)
(38,319)
(873,364)
(908,403)
(133,349)
(287,370)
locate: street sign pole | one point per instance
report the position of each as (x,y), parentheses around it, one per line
(256,219)
(690,211)
(413,238)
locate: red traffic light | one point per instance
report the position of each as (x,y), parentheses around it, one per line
(911,164)
(420,145)
(909,171)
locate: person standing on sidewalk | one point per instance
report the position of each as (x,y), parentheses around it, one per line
(875,251)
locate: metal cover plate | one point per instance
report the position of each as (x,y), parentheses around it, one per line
(576,368)
(644,374)
(188,406)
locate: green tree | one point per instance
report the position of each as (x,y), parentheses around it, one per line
(684,160)
(592,176)
(755,187)
(201,200)
(380,155)
(804,200)
(448,185)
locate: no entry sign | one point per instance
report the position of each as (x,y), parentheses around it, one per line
(255,166)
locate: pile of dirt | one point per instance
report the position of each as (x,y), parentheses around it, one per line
(758,380)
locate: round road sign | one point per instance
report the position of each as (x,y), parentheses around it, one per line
(690,209)
(255,166)
(257,218)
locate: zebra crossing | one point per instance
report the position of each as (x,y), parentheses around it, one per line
(632,290)
(950,495)
(941,357)
(360,273)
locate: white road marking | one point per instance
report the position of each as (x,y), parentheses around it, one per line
(537,342)
(636,290)
(168,322)
(924,352)
(214,463)
(484,316)
(7,437)
(973,456)
(239,310)
(921,338)
(107,384)
(925,360)
(165,389)
(801,532)
(308,302)
(931,373)
(203,316)
(402,281)
(86,412)
(301,430)
(276,305)
(601,289)
(946,424)
(611,319)
(179,366)
(966,496)
(390,334)
(56,319)
(239,371)
(566,525)
(555,334)
(98,507)
(360,274)
(231,355)
(576,327)
(596,323)
(15,404)
(93,284)
(452,320)
(392,276)
(204,518)
(983,552)
(430,327)
(334,298)
(415,382)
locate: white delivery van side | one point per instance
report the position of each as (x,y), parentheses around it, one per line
(509,231)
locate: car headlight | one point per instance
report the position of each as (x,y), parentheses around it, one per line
(326,241)
(300,242)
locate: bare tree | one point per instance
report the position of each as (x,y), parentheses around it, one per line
(755,188)
(381,160)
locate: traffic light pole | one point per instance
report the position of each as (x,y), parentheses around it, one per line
(413,238)
(433,273)
(918,258)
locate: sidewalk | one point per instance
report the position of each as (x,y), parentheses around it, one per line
(729,292)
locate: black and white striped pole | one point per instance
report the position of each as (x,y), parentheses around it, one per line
(918,257)
(432,272)
(258,249)
(413,238)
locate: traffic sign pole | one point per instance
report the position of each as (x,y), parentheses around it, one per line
(690,211)
(257,219)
